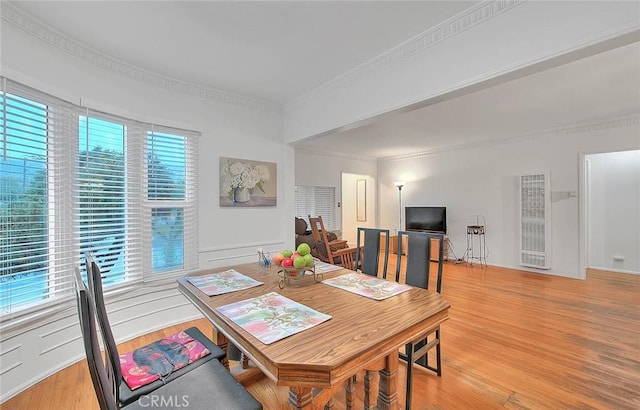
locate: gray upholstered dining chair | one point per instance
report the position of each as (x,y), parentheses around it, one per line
(418,272)
(125,393)
(367,260)
(209,385)
(372,239)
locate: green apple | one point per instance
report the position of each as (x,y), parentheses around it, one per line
(304,249)
(308,258)
(299,262)
(286,253)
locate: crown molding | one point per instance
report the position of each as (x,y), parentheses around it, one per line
(40,30)
(312,151)
(630,121)
(453,26)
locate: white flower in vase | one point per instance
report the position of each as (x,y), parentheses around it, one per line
(238,175)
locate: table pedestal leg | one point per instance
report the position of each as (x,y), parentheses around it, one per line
(387,396)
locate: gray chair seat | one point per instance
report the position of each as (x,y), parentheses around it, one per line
(128,396)
(210,386)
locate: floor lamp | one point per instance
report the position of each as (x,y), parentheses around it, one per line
(399,184)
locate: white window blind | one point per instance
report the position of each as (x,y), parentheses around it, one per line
(73,181)
(23,201)
(105,190)
(171,184)
(33,208)
(316,201)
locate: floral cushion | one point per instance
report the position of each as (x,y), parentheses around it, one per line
(158,359)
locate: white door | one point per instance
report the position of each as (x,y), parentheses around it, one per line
(358,204)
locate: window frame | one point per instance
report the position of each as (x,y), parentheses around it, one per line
(63,213)
(188,203)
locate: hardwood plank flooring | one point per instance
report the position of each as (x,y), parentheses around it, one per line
(515,340)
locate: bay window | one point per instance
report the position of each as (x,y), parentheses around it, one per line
(75,181)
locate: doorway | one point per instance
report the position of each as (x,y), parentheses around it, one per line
(610,222)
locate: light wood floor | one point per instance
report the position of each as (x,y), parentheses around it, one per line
(515,340)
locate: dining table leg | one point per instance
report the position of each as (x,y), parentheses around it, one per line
(349,390)
(301,397)
(368,376)
(223,343)
(387,394)
(329,405)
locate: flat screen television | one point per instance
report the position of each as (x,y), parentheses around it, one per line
(426,218)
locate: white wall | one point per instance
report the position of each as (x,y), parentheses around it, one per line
(483,180)
(239,128)
(614,211)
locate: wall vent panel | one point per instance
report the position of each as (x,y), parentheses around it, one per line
(535,221)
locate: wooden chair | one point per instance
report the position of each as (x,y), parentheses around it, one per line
(335,252)
(372,239)
(419,263)
(209,385)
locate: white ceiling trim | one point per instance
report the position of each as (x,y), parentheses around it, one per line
(333,154)
(15,16)
(471,17)
(632,121)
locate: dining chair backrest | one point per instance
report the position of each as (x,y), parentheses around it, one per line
(88,261)
(419,258)
(112,356)
(86,315)
(371,244)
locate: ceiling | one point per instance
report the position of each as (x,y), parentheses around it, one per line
(272,50)
(602,87)
(277,51)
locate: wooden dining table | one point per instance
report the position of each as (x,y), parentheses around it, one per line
(362,334)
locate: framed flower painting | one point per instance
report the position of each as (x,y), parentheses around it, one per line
(245,183)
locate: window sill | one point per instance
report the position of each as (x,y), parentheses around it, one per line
(13,324)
